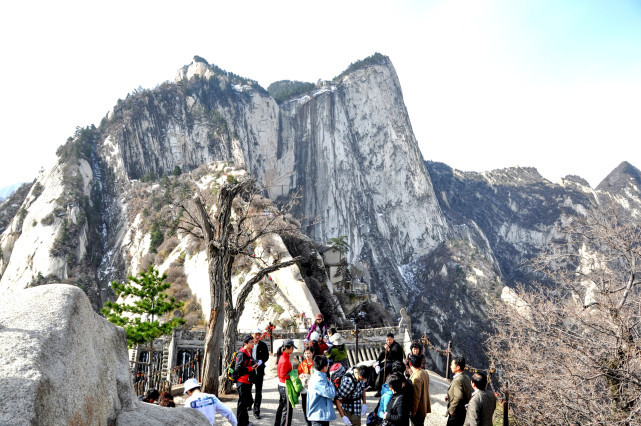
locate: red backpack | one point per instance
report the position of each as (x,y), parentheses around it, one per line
(336,373)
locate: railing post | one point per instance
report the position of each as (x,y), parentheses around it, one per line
(271,337)
(356,338)
(506,400)
(447,362)
(198,365)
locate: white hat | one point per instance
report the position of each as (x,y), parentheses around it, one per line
(314,336)
(337,339)
(258,330)
(191,384)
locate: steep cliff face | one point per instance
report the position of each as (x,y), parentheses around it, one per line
(351,149)
(347,146)
(452,288)
(520,212)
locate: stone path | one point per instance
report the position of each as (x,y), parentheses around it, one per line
(438,390)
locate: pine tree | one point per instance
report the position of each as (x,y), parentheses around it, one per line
(142,304)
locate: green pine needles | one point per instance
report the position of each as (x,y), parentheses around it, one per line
(143,303)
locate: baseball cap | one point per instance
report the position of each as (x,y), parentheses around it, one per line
(290,342)
(191,384)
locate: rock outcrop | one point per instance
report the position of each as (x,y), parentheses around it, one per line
(63,364)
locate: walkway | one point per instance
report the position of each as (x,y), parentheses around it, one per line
(438,390)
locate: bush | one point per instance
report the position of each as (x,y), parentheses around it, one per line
(165,249)
(157,237)
(375,59)
(37,189)
(48,220)
(287,89)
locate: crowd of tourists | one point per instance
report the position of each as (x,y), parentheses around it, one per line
(329,388)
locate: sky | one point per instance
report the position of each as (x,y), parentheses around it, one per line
(554,85)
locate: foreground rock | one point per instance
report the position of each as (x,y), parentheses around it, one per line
(64,364)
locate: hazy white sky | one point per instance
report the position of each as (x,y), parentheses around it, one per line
(488,84)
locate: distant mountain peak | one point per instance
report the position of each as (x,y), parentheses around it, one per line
(620,176)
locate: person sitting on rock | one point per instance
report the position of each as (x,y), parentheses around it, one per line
(319,347)
(390,353)
(207,403)
(166,400)
(151,396)
(338,352)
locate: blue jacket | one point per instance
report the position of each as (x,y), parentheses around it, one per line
(320,395)
(386,395)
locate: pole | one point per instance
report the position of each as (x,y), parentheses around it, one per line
(384,364)
(506,400)
(447,362)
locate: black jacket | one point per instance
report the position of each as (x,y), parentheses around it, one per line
(262,354)
(395,353)
(397,413)
(243,366)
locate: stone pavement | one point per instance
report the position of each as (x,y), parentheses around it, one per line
(438,390)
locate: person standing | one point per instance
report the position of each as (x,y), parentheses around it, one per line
(421,383)
(260,353)
(319,326)
(305,370)
(390,353)
(458,394)
(206,403)
(482,404)
(321,392)
(284,411)
(351,394)
(415,349)
(243,367)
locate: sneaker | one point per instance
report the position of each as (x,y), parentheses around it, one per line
(258,416)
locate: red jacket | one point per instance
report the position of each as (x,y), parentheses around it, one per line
(284,367)
(244,365)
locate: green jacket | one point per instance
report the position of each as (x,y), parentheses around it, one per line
(336,354)
(294,387)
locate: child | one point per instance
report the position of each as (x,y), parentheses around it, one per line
(397,413)
(320,394)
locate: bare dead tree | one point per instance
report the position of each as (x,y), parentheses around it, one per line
(572,353)
(235,229)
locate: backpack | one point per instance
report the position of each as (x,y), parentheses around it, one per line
(231,373)
(336,373)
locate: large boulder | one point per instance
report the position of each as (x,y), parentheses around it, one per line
(63,364)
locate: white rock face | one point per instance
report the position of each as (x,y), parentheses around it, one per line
(63,364)
(349,147)
(26,251)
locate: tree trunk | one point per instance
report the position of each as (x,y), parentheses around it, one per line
(212,352)
(150,365)
(217,280)
(229,346)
